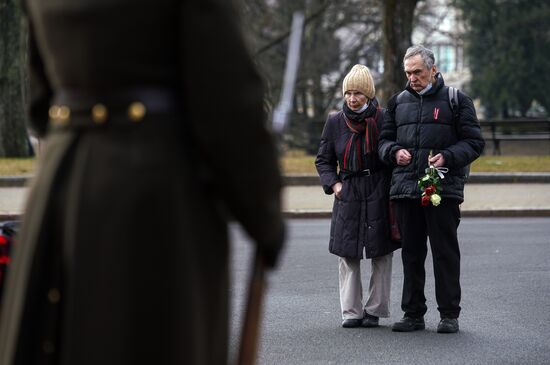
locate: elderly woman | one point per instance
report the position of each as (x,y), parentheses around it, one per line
(349,167)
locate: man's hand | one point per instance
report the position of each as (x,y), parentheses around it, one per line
(337,188)
(437,161)
(403,157)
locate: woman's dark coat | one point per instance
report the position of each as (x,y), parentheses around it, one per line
(123,254)
(360,216)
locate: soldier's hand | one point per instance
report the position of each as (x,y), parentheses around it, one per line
(271,250)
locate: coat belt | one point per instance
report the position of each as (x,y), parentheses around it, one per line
(77,108)
(347,174)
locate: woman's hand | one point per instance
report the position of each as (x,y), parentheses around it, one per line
(337,188)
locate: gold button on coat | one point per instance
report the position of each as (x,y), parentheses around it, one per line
(136,111)
(64,113)
(53,113)
(99,113)
(59,114)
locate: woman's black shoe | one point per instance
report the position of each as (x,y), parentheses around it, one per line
(351,323)
(369,321)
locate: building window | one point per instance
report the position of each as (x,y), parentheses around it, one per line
(446,57)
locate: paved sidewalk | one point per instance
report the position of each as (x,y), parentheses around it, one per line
(512,199)
(12,202)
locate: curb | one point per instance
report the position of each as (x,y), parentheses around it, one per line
(506,213)
(14,181)
(301,180)
(509,177)
(10,216)
(490,213)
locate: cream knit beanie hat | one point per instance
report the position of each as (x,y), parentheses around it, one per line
(359,79)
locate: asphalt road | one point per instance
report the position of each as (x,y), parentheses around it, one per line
(505,315)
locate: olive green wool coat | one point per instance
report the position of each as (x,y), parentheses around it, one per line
(123,254)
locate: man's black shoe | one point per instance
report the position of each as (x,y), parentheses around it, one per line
(409,324)
(369,321)
(351,323)
(447,325)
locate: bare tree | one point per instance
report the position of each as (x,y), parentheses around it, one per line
(13,135)
(337,35)
(398,26)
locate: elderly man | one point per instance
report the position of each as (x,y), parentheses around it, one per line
(422,129)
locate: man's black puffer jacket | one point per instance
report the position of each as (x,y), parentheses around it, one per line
(421,123)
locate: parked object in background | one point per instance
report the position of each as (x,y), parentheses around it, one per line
(8,230)
(516,130)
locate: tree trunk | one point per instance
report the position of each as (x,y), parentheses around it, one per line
(13,133)
(397,26)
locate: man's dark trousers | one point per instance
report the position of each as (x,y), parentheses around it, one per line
(440,224)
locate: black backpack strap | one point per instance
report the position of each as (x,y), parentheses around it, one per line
(453,100)
(455,106)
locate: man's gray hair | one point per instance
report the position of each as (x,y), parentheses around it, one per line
(426,54)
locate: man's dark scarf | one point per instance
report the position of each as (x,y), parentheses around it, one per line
(364,137)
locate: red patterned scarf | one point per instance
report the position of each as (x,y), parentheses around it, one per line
(364,137)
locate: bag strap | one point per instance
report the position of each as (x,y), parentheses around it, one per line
(453,99)
(455,106)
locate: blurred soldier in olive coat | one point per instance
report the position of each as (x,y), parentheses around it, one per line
(153,120)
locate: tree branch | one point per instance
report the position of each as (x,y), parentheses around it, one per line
(285,35)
